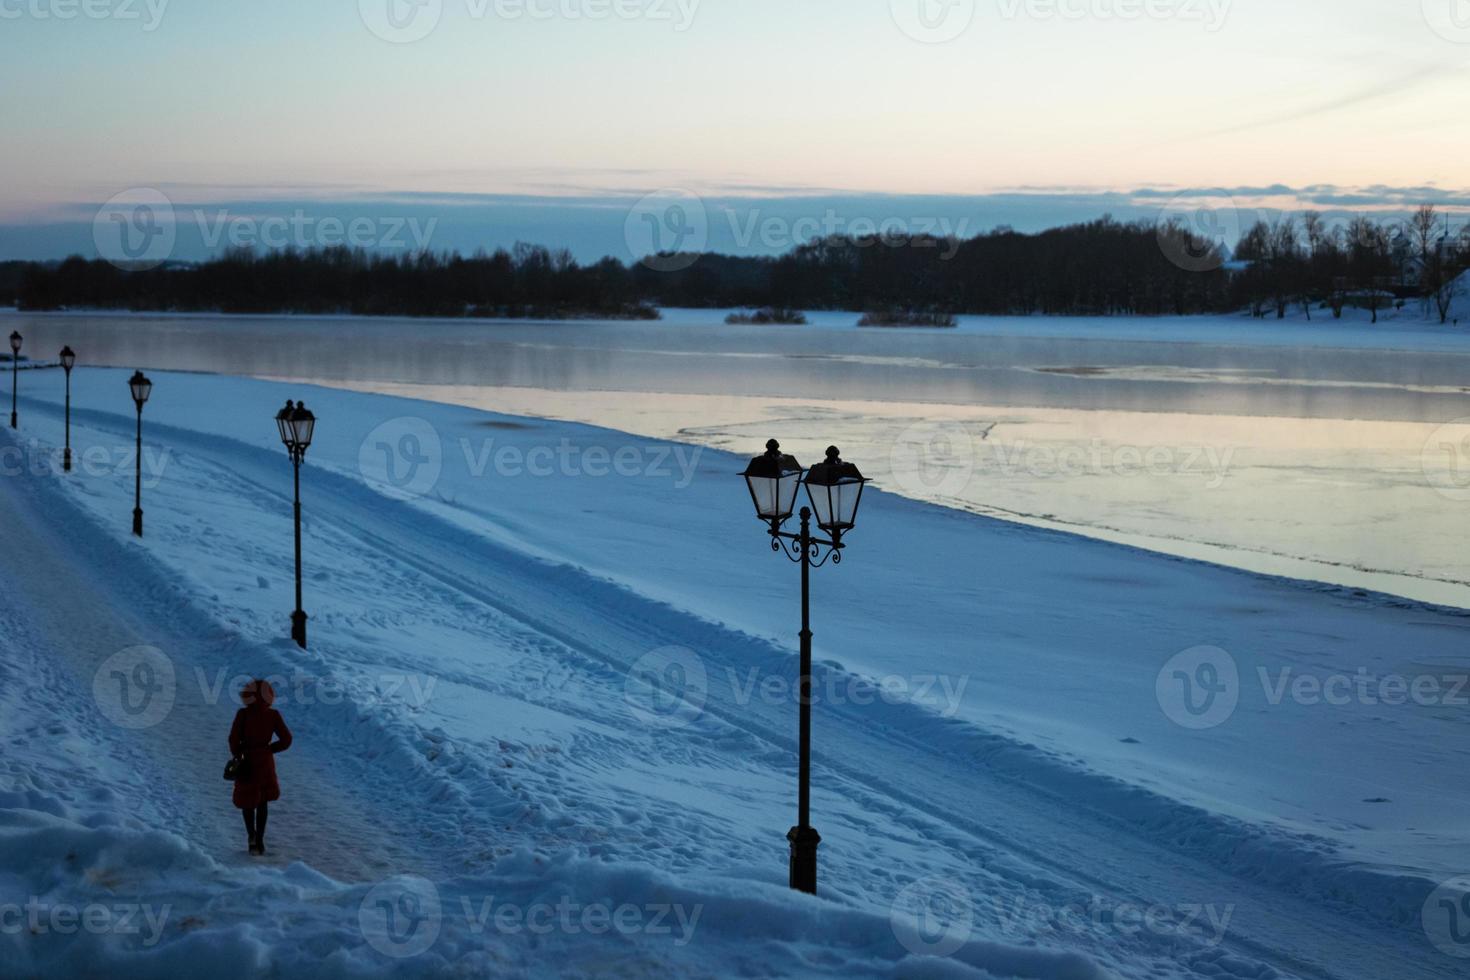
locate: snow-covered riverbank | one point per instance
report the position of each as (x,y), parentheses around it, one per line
(1014,726)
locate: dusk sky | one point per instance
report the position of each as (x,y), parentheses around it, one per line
(481,114)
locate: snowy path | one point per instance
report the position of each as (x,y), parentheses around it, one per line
(90,598)
(527,735)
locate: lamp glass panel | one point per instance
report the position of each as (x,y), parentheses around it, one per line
(821,497)
(303,425)
(787,489)
(836,505)
(765,492)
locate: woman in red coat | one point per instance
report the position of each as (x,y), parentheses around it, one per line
(250,737)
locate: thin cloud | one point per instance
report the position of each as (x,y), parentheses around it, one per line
(1374,93)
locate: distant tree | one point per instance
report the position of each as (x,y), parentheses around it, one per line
(1330,268)
(1316,273)
(1316,232)
(1370,262)
(1424,236)
(1287,259)
(1423,231)
(1254,248)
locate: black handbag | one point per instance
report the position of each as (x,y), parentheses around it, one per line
(237,770)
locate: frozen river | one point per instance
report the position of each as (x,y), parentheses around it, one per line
(1322,451)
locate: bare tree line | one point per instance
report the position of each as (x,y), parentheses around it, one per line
(1306,262)
(1309,262)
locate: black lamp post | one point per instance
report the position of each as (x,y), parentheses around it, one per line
(15,342)
(834,488)
(141,388)
(68,361)
(296,425)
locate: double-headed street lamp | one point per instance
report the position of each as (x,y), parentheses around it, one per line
(296,425)
(835,489)
(68,361)
(15,342)
(141,388)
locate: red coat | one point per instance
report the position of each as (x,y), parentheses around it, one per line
(255,725)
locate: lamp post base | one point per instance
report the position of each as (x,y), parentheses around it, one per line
(298,628)
(66,461)
(14,421)
(137,522)
(804,841)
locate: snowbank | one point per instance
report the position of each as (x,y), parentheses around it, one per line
(1001,737)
